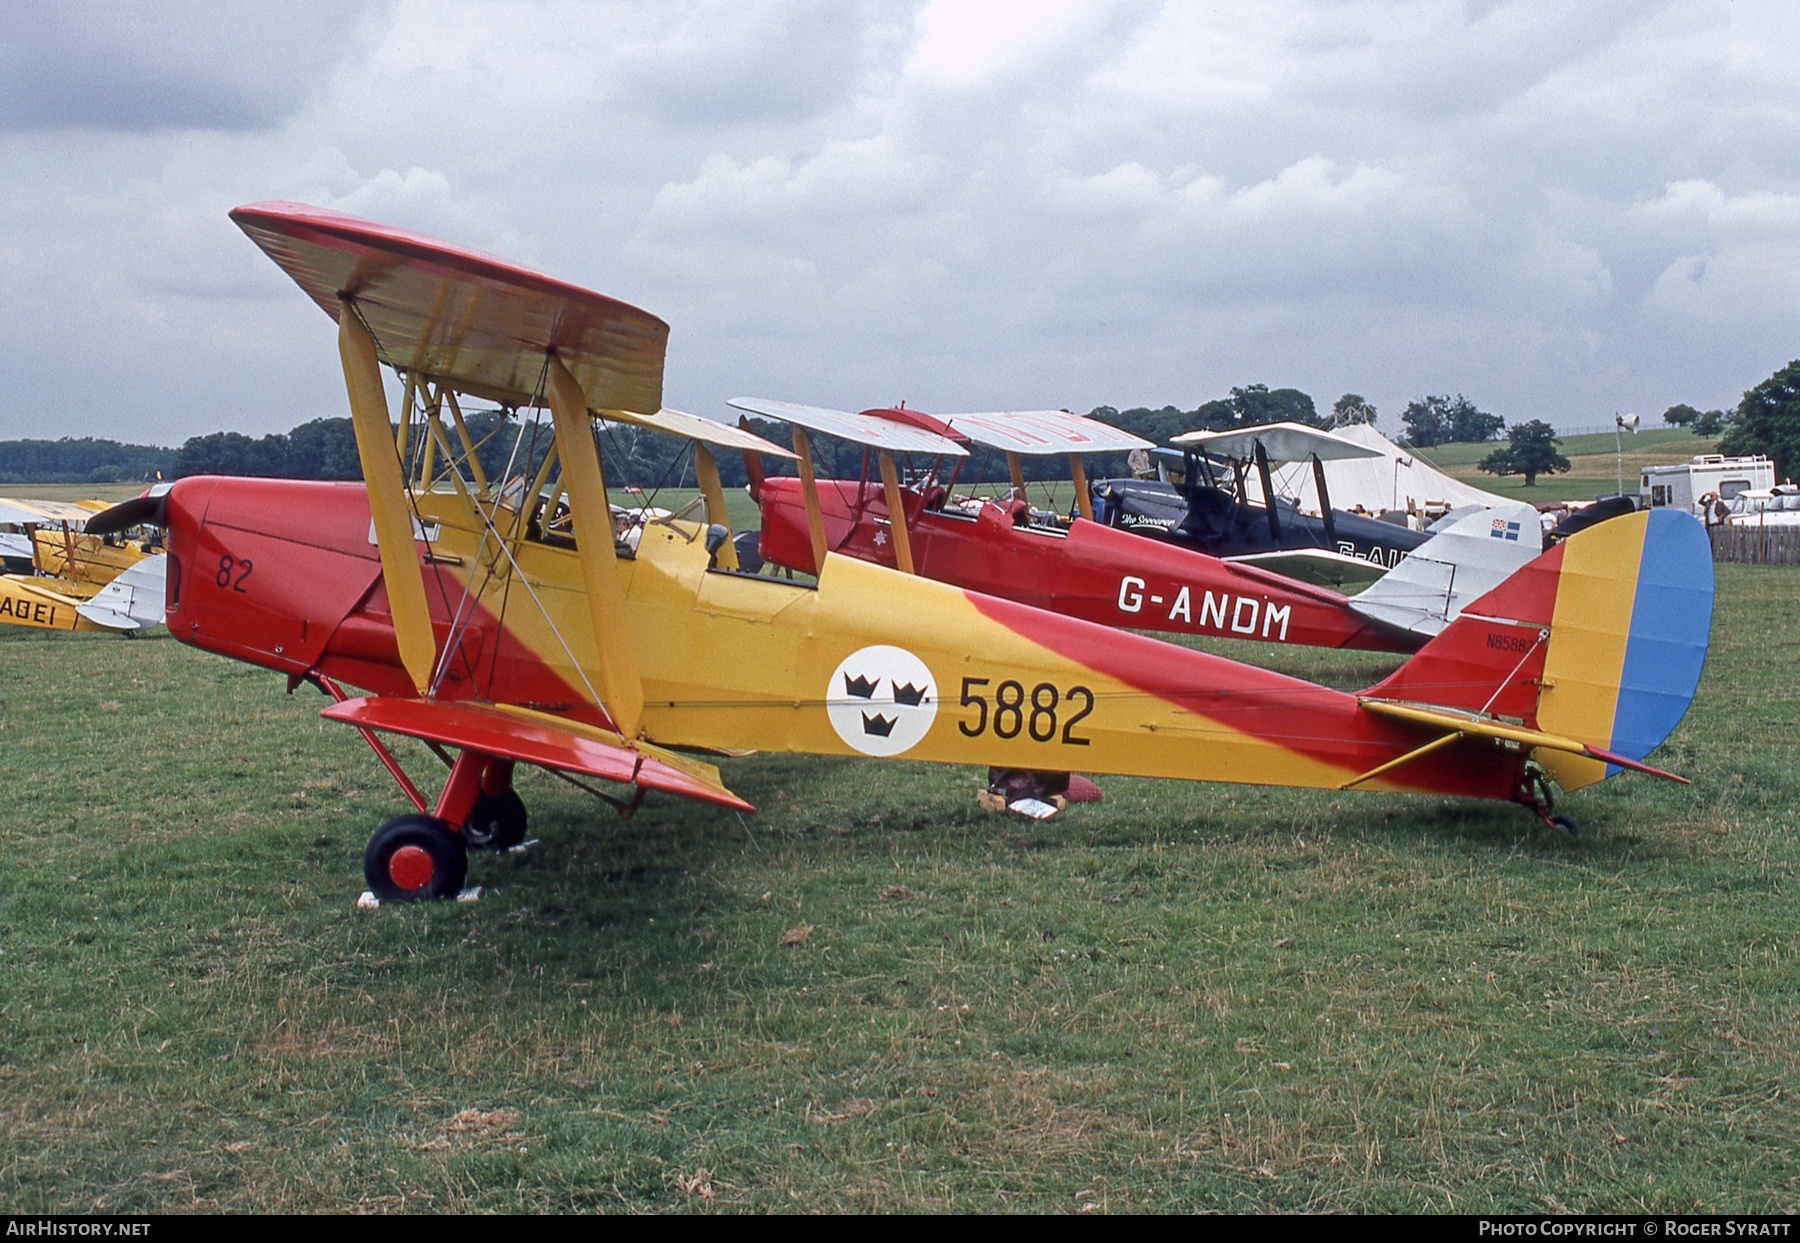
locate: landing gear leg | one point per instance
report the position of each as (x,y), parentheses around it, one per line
(496,819)
(1538,793)
(496,822)
(421,856)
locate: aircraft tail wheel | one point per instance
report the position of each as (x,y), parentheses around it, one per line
(496,822)
(413,858)
(1537,792)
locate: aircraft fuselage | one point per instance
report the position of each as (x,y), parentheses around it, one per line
(1085,570)
(868,661)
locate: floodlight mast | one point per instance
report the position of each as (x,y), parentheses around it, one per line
(1620,423)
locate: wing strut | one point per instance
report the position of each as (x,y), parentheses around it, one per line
(1324,501)
(387,498)
(706,468)
(809,488)
(1083,501)
(1396,762)
(588,506)
(890,487)
(1268,490)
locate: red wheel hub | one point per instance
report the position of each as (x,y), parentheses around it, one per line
(410,867)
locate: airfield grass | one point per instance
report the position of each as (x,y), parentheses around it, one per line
(113,492)
(1186,997)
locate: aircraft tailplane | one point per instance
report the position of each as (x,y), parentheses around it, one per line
(132,601)
(1600,640)
(1465,560)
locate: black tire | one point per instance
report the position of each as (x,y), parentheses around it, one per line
(496,823)
(1563,824)
(414,859)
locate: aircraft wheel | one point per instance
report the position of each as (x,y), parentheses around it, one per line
(496,823)
(1563,824)
(413,858)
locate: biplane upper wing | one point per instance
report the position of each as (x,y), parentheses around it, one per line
(1041,433)
(862,429)
(1282,442)
(886,435)
(694,427)
(538,738)
(478,322)
(36,513)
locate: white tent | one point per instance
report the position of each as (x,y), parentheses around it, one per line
(1396,479)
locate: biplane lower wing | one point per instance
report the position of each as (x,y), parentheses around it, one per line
(528,737)
(1319,566)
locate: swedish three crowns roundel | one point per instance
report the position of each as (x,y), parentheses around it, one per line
(882,700)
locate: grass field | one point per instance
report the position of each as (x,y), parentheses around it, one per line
(1186,997)
(1593,464)
(75,491)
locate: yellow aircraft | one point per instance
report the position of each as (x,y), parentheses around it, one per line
(68,579)
(622,644)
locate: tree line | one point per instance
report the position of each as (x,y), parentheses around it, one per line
(1766,421)
(86,460)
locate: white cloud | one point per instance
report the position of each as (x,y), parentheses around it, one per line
(1740,266)
(1554,209)
(963,44)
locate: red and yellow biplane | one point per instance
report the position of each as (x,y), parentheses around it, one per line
(524,620)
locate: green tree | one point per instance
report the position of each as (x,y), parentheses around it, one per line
(1257,404)
(322,449)
(228,453)
(1680,416)
(1768,421)
(1712,423)
(80,461)
(1425,424)
(1471,426)
(1440,420)
(1351,409)
(1530,451)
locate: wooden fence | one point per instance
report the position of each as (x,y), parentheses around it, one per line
(1754,545)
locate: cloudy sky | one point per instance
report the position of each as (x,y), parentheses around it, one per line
(1559,209)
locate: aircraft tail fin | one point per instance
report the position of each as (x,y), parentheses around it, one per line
(1466,559)
(1599,640)
(132,601)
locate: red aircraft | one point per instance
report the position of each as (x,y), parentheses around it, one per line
(1085,569)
